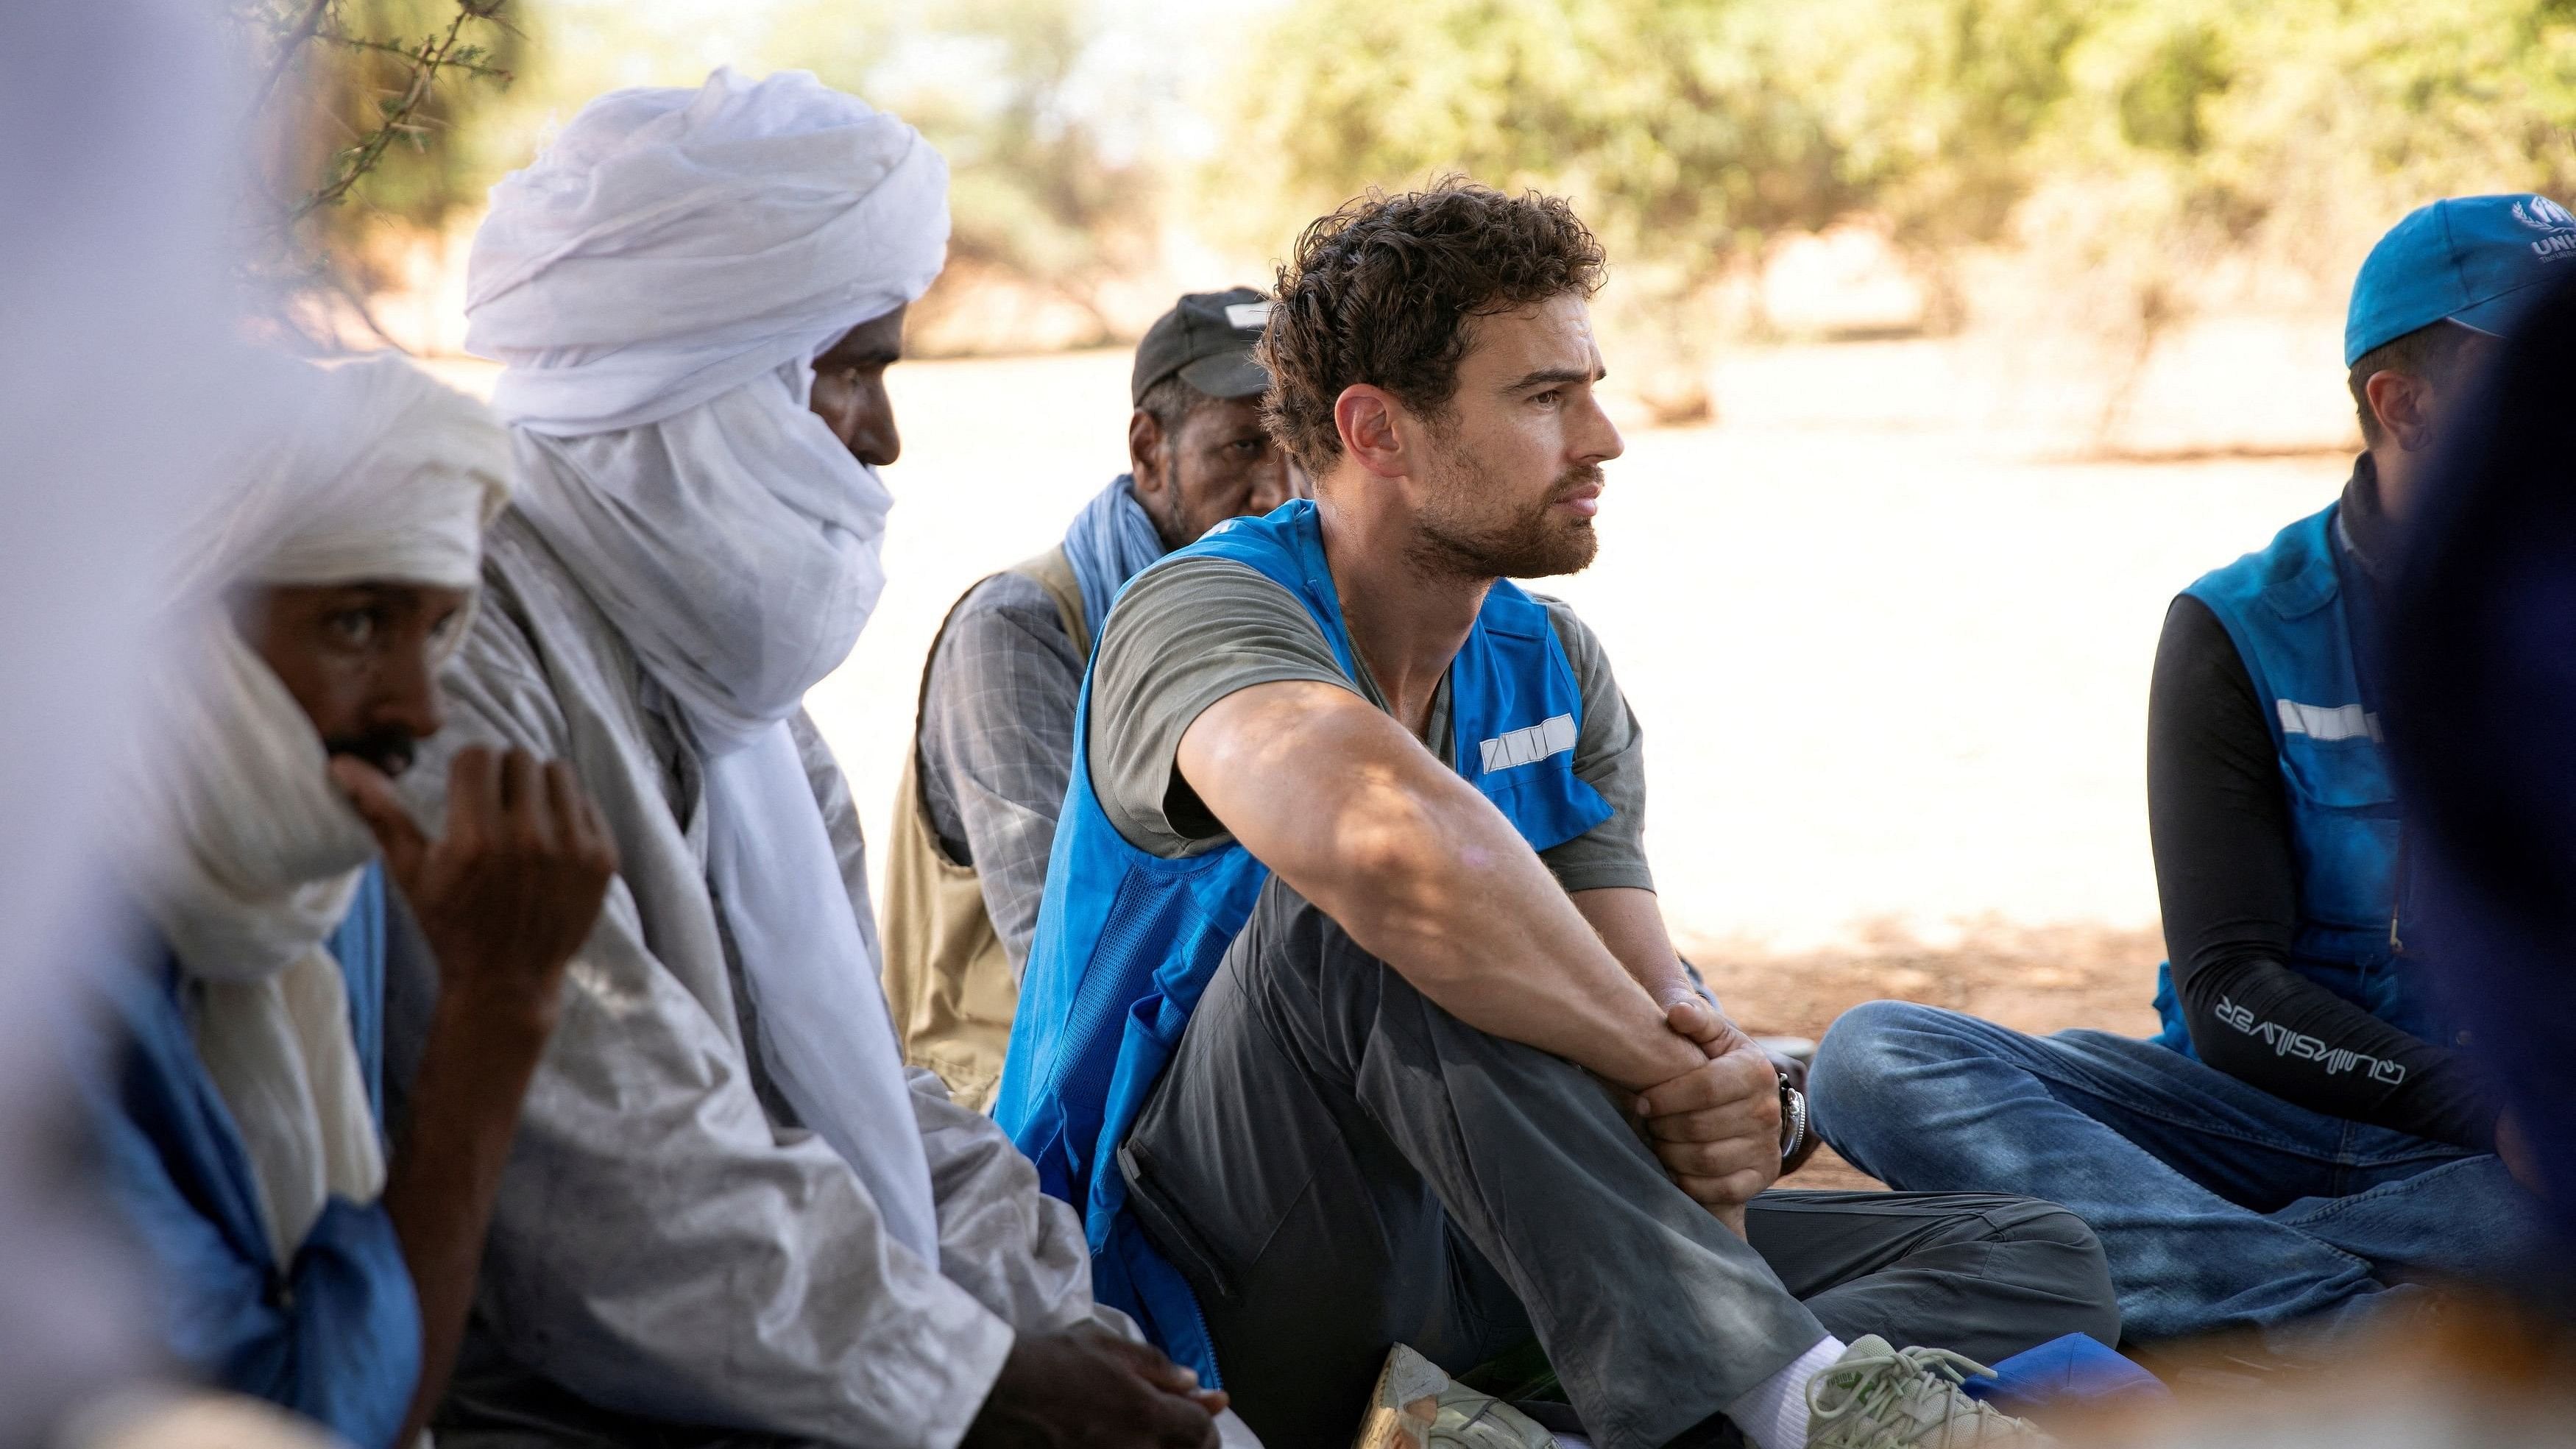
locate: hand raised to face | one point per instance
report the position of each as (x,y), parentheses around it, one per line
(512,889)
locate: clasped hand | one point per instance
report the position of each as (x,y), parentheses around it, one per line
(1716,1127)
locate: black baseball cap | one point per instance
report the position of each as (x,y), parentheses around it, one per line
(1206,339)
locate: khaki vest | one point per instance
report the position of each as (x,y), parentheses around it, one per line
(946,975)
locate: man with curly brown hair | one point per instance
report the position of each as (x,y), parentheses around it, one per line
(1348,925)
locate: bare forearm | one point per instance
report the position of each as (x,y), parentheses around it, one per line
(1485,933)
(474,1074)
(1430,878)
(1424,873)
(1630,922)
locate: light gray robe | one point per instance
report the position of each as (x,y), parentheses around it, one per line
(667,1244)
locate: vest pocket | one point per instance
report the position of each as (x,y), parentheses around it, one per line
(2344,774)
(1171,1232)
(2344,818)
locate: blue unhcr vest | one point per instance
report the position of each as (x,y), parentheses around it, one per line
(2286,612)
(1127,941)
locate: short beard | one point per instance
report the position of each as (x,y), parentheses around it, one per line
(1536,544)
(1170,526)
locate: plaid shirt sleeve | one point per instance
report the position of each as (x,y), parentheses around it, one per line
(996,741)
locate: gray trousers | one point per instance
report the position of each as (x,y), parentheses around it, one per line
(1336,1164)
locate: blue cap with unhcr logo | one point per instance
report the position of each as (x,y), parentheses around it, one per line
(2474,260)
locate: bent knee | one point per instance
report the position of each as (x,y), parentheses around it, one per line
(2060,1257)
(2043,1224)
(1870,1049)
(1289,942)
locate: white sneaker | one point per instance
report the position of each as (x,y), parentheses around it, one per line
(1877,1397)
(1415,1406)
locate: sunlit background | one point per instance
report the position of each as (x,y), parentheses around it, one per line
(1951,338)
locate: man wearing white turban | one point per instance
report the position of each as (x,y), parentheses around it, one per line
(240,1135)
(731,1209)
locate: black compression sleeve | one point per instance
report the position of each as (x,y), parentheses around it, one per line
(2227,874)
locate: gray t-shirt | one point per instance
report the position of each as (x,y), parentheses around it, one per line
(1191,631)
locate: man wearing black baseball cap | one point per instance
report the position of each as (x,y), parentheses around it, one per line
(2308,1130)
(993,744)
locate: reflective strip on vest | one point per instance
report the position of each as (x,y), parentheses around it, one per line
(2285,612)
(2317,721)
(1529,746)
(1127,941)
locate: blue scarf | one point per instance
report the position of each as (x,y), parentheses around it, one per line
(1110,542)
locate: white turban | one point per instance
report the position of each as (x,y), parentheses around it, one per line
(252,855)
(672,245)
(659,283)
(386,474)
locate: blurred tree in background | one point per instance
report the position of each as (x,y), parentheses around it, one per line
(1688,132)
(357,107)
(1048,185)
(2206,152)
(2142,153)
(2134,161)
(379,146)
(1679,127)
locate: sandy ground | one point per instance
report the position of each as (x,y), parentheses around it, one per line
(1893,676)
(1890,647)
(2035,978)
(1892,662)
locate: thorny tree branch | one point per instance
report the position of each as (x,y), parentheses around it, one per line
(459,61)
(435,54)
(296,263)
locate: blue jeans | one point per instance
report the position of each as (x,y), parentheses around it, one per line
(2220,1206)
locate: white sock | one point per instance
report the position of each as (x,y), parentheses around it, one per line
(1773,1413)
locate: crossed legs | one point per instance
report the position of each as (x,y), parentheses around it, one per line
(2220,1206)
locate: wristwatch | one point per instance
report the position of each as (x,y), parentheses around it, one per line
(1793,1120)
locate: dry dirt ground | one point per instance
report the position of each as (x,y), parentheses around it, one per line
(1887,625)
(1891,663)
(2033,978)
(1888,641)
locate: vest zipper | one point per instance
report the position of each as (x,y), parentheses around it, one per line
(2397,893)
